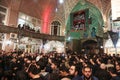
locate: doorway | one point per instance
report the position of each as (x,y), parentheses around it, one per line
(90,47)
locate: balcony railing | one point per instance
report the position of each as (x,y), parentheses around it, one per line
(27,33)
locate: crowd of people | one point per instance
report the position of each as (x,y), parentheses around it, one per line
(27,27)
(59,66)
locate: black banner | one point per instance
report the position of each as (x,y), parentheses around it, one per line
(114,37)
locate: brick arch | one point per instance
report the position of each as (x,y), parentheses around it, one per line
(70,5)
(108,9)
(57,18)
(97,19)
(107,14)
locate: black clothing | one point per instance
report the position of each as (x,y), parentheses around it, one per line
(102,74)
(118,73)
(91,78)
(34,70)
(115,78)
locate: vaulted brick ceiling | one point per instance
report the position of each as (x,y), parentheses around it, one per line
(105,5)
(39,7)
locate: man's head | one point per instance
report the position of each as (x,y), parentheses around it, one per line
(65,79)
(64,71)
(87,71)
(117,67)
(112,71)
(74,69)
(103,66)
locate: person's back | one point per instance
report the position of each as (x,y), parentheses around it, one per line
(64,73)
(115,78)
(113,74)
(102,73)
(51,76)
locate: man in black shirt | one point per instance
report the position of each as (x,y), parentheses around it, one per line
(87,74)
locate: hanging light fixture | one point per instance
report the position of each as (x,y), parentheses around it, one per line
(61,1)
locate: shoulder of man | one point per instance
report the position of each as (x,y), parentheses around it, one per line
(81,78)
(95,78)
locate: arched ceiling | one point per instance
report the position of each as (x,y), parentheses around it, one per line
(36,8)
(41,8)
(103,5)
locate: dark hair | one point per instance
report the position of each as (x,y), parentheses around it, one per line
(118,62)
(112,70)
(87,67)
(78,68)
(52,76)
(56,63)
(64,68)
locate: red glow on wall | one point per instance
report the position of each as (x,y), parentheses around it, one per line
(46,19)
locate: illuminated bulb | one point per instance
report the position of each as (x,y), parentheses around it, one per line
(61,1)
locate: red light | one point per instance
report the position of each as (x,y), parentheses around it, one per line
(46,19)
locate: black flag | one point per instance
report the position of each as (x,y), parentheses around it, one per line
(114,37)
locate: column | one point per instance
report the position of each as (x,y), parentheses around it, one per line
(12,18)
